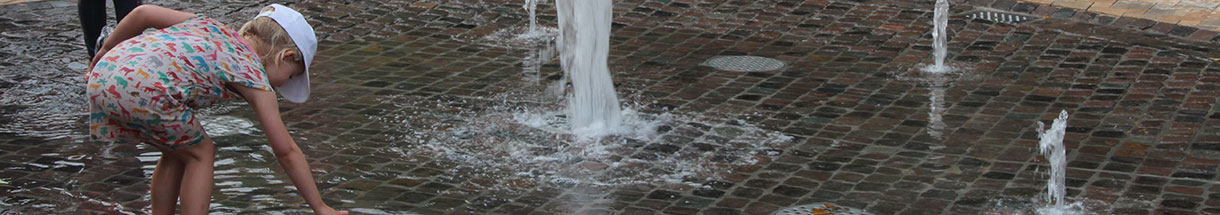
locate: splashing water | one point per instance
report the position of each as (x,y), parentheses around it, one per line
(528,145)
(584,46)
(585,138)
(940,21)
(1051,145)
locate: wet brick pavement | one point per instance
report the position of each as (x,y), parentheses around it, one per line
(1142,138)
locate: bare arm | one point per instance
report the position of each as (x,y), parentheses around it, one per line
(286,150)
(140,19)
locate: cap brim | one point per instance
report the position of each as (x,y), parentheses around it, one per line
(296,89)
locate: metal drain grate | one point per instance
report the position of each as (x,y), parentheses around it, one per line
(823,208)
(744,63)
(1000,17)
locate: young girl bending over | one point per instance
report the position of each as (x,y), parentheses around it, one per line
(147,88)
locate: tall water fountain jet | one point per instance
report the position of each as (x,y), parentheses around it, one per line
(584,46)
(940,22)
(1051,145)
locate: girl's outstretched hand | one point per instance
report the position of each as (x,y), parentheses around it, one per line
(328,211)
(286,151)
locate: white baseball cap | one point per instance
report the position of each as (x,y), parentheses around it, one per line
(296,89)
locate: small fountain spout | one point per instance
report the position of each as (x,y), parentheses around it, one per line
(1050,144)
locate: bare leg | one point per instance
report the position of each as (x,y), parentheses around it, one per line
(197,181)
(166,181)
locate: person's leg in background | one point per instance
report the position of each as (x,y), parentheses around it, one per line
(123,7)
(92,14)
(93,18)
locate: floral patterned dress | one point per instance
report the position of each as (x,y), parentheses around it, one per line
(147,88)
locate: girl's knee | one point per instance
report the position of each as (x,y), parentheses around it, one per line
(202,152)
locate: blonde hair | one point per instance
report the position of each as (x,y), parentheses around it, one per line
(273,39)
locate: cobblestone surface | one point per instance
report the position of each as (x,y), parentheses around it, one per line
(394,78)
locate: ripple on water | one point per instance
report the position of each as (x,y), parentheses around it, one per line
(42,108)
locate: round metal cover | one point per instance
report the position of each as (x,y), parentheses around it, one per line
(744,63)
(821,209)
